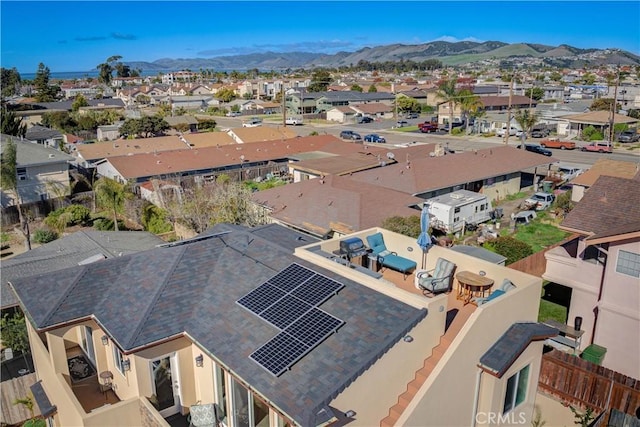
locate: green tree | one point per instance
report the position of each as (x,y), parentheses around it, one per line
(356,88)
(28,403)
(154,219)
(535,93)
(409,226)
(555,76)
(11,124)
(447,93)
(9,81)
(407,104)
(469,103)
(510,248)
(372,89)
(527,119)
(320,81)
(105,70)
(583,419)
(80,101)
(144,127)
(9,183)
(13,333)
(603,104)
(44,91)
(225,95)
(589,78)
(61,120)
(110,195)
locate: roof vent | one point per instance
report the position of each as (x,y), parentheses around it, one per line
(456,196)
(92,259)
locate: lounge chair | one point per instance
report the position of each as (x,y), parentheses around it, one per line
(387,258)
(505,287)
(438,280)
(378,248)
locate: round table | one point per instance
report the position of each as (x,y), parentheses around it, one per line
(472,285)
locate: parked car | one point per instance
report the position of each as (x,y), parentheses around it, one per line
(293,121)
(512,131)
(598,147)
(374,137)
(539,132)
(629,135)
(253,122)
(557,143)
(351,135)
(401,123)
(456,124)
(539,201)
(412,115)
(428,127)
(365,119)
(233,114)
(535,148)
(524,217)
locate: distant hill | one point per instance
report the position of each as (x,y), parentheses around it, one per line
(458,53)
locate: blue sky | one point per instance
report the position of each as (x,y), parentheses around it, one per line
(78,35)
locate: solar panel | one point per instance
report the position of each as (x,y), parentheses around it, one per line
(261,298)
(280,352)
(317,289)
(289,302)
(313,327)
(285,311)
(292,276)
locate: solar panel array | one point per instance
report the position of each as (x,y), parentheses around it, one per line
(289,301)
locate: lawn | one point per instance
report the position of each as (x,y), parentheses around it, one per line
(539,235)
(550,310)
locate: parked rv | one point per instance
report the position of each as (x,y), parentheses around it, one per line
(451,212)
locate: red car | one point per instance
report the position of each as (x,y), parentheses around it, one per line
(428,127)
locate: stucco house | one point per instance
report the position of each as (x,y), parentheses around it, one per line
(598,272)
(267,329)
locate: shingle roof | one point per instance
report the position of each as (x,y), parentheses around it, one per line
(353,96)
(67,105)
(431,173)
(610,204)
(335,203)
(37,133)
(340,165)
(263,133)
(31,154)
(599,117)
(499,358)
(607,167)
(193,287)
(68,251)
(499,101)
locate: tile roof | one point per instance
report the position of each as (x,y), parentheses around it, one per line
(341,165)
(68,251)
(499,358)
(431,173)
(599,117)
(611,203)
(170,162)
(122,147)
(335,203)
(607,167)
(30,154)
(191,288)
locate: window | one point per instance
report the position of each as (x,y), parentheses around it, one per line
(118,359)
(516,389)
(22,174)
(456,210)
(628,263)
(220,394)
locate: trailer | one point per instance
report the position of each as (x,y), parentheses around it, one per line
(452,212)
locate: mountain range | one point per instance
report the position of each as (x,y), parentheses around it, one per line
(458,53)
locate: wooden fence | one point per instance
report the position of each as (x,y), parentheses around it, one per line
(11,390)
(536,264)
(580,383)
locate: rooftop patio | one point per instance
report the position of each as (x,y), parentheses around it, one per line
(89,391)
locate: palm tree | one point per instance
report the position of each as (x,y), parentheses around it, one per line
(526,119)
(447,93)
(469,104)
(9,182)
(110,195)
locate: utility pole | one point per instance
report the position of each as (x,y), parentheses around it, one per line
(508,131)
(284,107)
(612,113)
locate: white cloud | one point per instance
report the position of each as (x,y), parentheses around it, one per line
(452,39)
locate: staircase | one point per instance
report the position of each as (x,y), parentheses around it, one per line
(429,364)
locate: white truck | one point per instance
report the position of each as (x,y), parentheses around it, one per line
(451,212)
(293,121)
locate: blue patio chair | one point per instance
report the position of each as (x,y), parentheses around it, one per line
(505,287)
(378,248)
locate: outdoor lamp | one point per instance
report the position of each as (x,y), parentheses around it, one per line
(105,340)
(199,361)
(126,365)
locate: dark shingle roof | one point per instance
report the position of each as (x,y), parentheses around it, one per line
(193,287)
(68,252)
(31,154)
(610,204)
(499,358)
(37,133)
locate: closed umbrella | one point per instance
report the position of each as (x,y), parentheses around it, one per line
(424,240)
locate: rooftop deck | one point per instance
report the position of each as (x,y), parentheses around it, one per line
(88,390)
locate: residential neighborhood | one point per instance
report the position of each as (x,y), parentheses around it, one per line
(329,246)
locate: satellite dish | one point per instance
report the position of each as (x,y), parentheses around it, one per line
(391,156)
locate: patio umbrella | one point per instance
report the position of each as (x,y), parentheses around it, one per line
(424,240)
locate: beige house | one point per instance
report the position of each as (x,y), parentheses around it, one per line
(600,270)
(212,321)
(43,172)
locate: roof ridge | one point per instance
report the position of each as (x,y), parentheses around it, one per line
(64,297)
(155,298)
